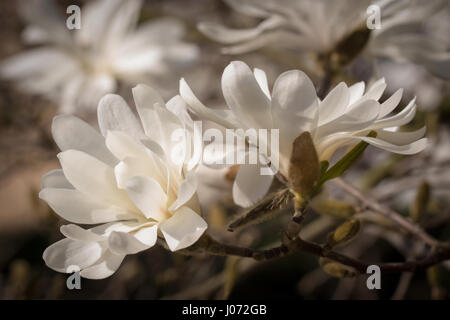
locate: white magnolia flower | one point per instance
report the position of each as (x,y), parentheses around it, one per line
(77,67)
(317,26)
(343,118)
(122,179)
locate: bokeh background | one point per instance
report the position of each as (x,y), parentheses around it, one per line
(28,225)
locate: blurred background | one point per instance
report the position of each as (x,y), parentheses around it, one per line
(28,225)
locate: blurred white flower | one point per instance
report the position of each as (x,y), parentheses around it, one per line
(415,81)
(414,78)
(414,31)
(312,26)
(124,180)
(343,118)
(318,26)
(77,67)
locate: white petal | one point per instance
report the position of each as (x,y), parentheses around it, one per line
(123,145)
(294,102)
(183,229)
(157,30)
(114,114)
(411,148)
(71,132)
(250,186)
(146,97)
(390,104)
(244,96)
(335,104)
(32,62)
(132,166)
(220,116)
(75,232)
(225,35)
(106,229)
(159,123)
(178,107)
(96,21)
(376,90)
(148,196)
(55,179)
(147,235)
(294,107)
(143,157)
(360,117)
(123,21)
(185,191)
(400,138)
(104,268)
(76,207)
(91,177)
(126,243)
(356,92)
(261,78)
(67,252)
(403,117)
(294,92)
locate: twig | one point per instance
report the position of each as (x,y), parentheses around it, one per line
(391,267)
(291,241)
(405,277)
(299,245)
(387,212)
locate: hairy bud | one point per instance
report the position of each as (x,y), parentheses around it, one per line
(304,167)
(345,232)
(336,269)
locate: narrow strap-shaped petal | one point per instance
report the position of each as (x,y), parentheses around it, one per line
(390,104)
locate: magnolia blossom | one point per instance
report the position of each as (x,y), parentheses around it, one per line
(77,67)
(317,26)
(122,180)
(343,118)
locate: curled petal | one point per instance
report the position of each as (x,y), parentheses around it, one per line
(183,229)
